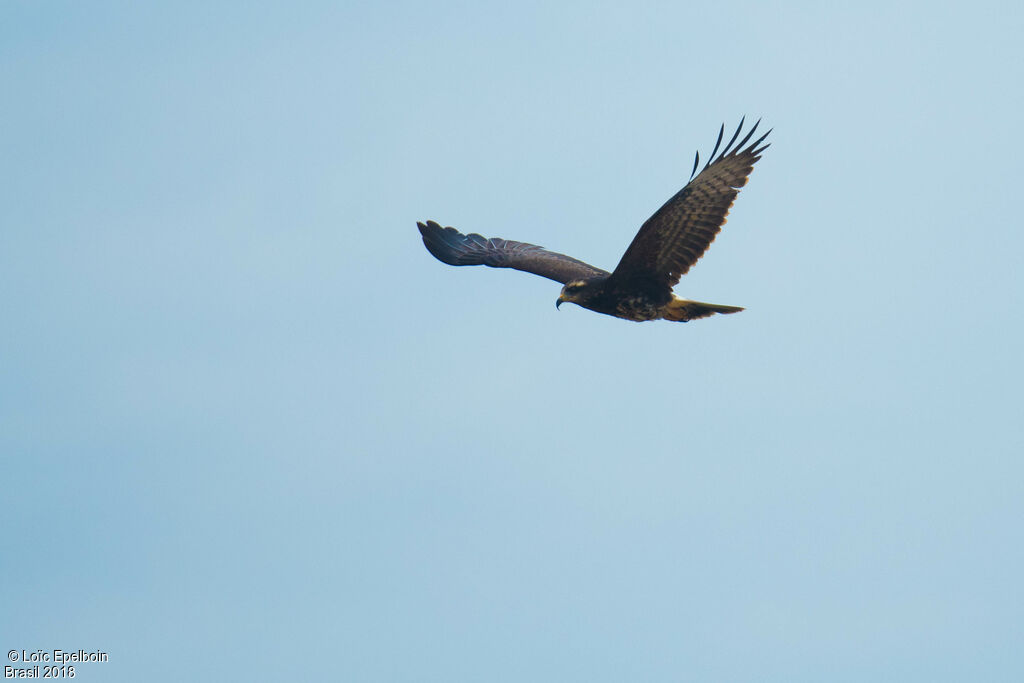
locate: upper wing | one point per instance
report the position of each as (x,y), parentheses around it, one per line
(454,248)
(682,230)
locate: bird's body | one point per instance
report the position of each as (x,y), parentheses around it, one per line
(596,295)
(636,303)
(667,245)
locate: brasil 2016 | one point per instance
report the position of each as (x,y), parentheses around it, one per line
(37,671)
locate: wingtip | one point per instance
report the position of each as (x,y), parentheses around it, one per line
(428,226)
(711,157)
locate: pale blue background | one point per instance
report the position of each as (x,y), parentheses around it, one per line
(251,430)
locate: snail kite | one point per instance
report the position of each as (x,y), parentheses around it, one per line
(640,287)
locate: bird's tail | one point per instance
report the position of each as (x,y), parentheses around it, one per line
(681,310)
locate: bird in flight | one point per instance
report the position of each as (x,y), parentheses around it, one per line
(667,245)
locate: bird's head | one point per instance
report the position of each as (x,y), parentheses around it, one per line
(574,292)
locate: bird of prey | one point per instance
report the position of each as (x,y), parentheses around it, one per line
(667,245)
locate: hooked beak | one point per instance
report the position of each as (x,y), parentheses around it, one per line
(559,301)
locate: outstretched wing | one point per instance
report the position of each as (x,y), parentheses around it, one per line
(454,248)
(682,230)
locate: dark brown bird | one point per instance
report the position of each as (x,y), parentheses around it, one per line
(668,244)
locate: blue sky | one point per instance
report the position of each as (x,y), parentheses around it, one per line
(250,428)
